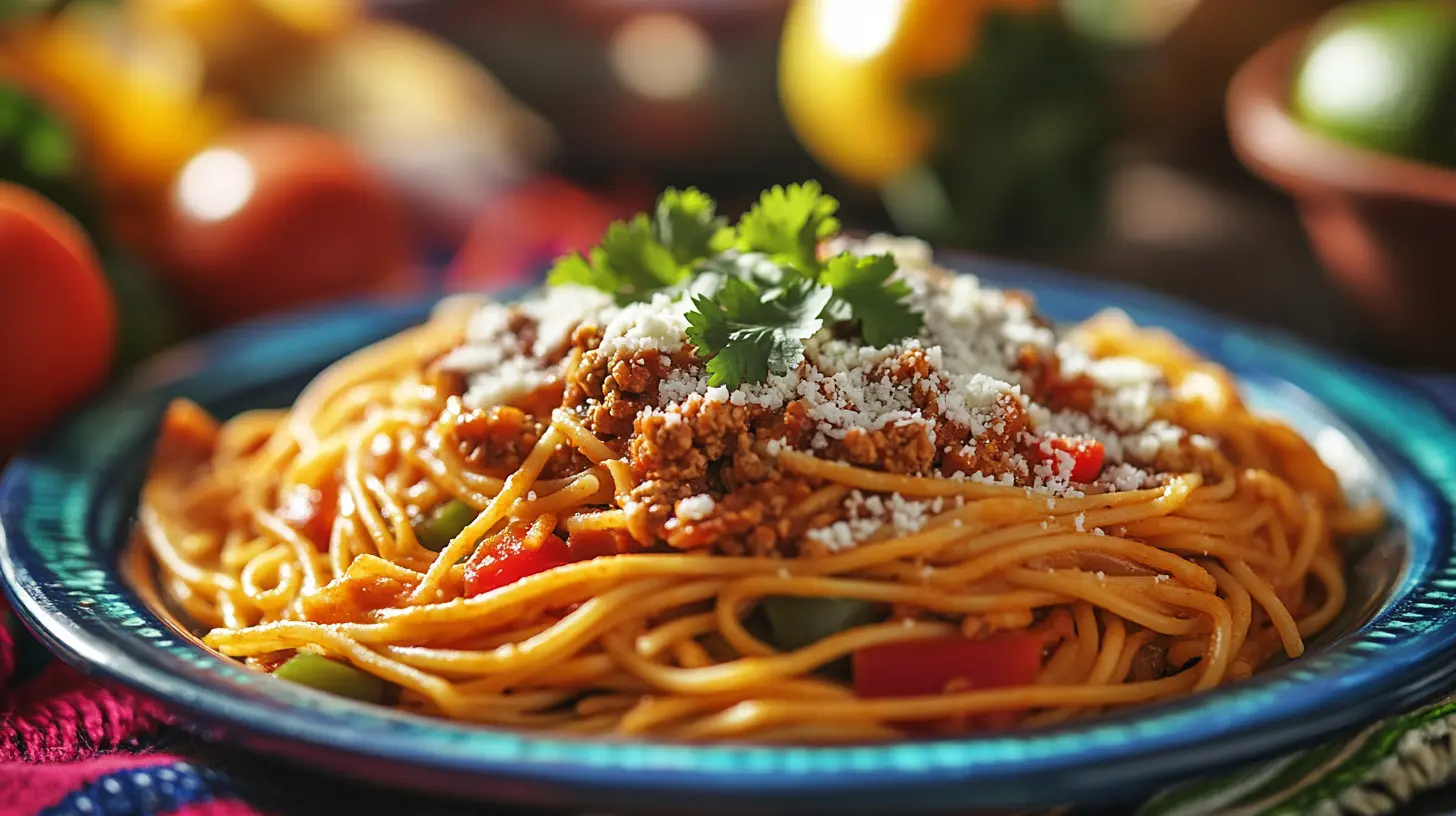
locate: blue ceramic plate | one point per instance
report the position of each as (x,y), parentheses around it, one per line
(68,505)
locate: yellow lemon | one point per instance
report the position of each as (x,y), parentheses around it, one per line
(845,67)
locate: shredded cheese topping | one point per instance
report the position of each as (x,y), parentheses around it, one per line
(967,369)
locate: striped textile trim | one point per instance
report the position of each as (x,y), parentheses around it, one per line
(1371,774)
(152,790)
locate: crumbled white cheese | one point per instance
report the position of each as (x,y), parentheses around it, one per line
(1157,437)
(655,325)
(1123,477)
(506,383)
(1197,385)
(844,534)
(909,253)
(696,507)
(497,369)
(681,383)
(559,310)
(905,515)
(867,513)
(964,375)
(1127,390)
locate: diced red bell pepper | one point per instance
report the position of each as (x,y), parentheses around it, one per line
(506,558)
(311,512)
(917,668)
(1087,455)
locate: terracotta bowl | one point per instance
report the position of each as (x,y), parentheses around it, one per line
(1385,227)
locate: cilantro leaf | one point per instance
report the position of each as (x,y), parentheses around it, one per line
(788,223)
(754,267)
(864,292)
(687,223)
(574,269)
(638,260)
(755,304)
(629,264)
(750,333)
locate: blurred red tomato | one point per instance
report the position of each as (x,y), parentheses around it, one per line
(57,319)
(277,216)
(520,233)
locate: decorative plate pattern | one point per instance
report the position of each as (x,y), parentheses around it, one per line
(67,506)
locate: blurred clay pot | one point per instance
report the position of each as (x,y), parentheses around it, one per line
(1384,226)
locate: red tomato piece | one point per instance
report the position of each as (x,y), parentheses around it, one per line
(506,558)
(312,512)
(276,216)
(57,316)
(1087,455)
(918,668)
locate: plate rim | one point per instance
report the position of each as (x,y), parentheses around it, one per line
(933,771)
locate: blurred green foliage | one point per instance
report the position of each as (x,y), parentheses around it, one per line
(39,150)
(1023,129)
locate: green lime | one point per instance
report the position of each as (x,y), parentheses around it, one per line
(1382,75)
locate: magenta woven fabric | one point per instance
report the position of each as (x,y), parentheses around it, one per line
(69,744)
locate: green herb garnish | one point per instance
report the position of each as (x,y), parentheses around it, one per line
(864,292)
(758,290)
(788,223)
(748,333)
(630,263)
(642,256)
(688,224)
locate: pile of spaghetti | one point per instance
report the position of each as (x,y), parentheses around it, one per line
(753,482)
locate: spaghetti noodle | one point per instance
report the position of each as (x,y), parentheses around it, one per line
(543,516)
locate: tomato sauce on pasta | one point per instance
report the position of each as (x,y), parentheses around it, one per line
(546,515)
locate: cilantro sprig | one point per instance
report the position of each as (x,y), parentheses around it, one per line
(688,224)
(644,255)
(788,223)
(631,263)
(751,333)
(758,289)
(864,292)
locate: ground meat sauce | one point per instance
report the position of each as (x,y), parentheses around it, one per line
(991,452)
(1046,384)
(975,397)
(496,438)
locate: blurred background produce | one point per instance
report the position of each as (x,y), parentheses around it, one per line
(199,162)
(1382,76)
(56,302)
(1355,117)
